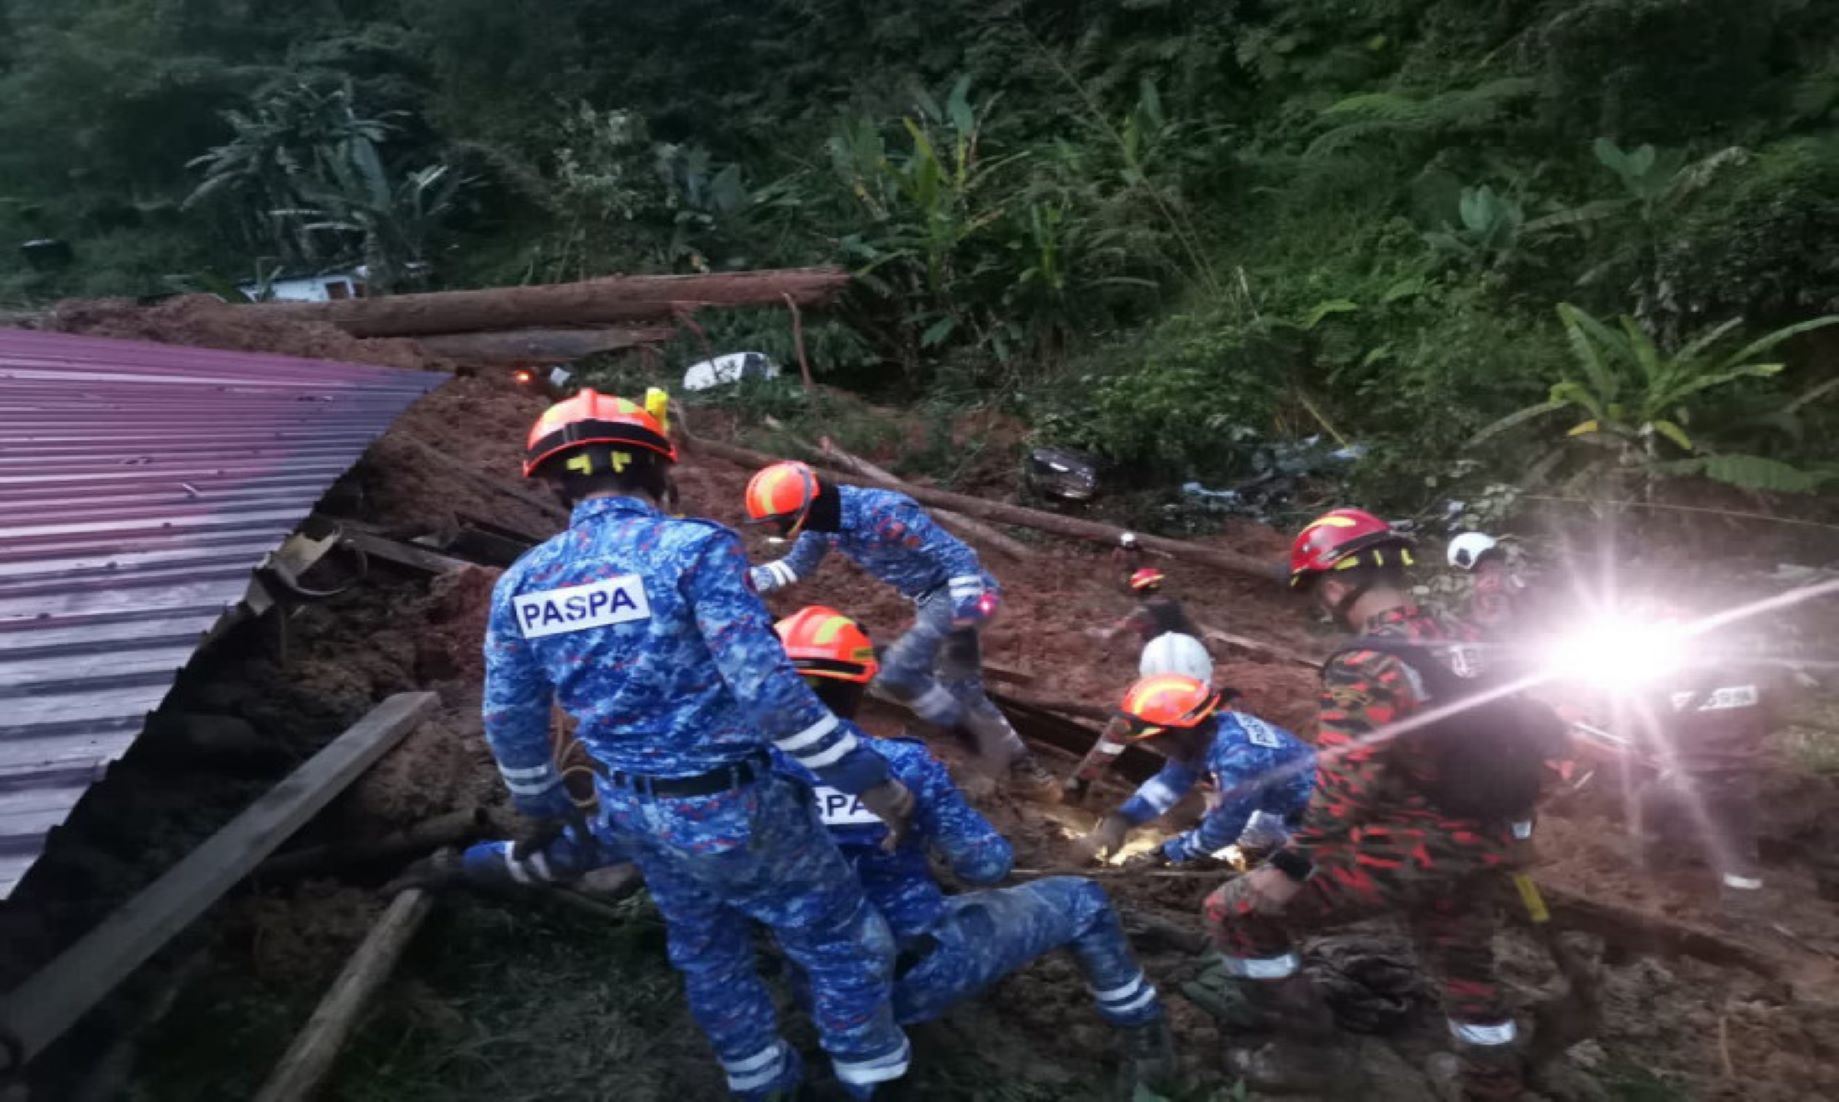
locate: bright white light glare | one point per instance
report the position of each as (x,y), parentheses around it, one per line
(1614,652)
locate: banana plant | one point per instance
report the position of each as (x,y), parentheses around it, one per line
(1633,402)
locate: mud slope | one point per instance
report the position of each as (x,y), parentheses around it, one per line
(488,976)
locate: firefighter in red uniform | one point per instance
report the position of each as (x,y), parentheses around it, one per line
(1375,838)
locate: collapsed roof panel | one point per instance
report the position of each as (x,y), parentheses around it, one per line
(140,484)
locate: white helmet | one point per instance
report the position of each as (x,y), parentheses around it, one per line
(1467,549)
(1173,652)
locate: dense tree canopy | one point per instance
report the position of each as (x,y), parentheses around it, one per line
(1164,228)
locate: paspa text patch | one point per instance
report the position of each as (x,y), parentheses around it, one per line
(595,605)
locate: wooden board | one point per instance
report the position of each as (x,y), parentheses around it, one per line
(39,1010)
(310,1058)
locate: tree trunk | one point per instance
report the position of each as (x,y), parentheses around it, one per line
(1003,513)
(594,302)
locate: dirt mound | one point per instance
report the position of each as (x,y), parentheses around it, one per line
(207,321)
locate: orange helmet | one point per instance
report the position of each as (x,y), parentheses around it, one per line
(590,417)
(1343,539)
(1166,700)
(1147,580)
(823,642)
(782,492)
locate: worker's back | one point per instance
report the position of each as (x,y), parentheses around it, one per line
(611,612)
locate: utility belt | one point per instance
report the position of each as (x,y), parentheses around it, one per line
(720,779)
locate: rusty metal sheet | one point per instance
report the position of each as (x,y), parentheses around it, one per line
(140,484)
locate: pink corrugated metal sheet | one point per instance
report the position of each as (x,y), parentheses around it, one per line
(139,486)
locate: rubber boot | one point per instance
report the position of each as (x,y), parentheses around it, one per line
(1148,1059)
(1304,1056)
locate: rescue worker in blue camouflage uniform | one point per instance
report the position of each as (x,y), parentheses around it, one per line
(1264,774)
(645,629)
(954,947)
(936,667)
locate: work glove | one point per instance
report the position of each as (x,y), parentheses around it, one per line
(545,830)
(892,803)
(1104,839)
(971,603)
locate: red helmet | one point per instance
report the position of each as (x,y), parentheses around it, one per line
(1165,700)
(1147,580)
(590,417)
(1342,540)
(783,493)
(823,642)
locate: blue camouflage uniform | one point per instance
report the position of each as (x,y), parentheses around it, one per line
(963,944)
(563,858)
(891,537)
(1264,774)
(644,628)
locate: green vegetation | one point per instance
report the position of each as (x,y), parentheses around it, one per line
(1164,231)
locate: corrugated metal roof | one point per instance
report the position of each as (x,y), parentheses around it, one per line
(139,486)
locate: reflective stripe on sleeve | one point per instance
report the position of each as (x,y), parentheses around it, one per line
(810,736)
(513,866)
(1262,968)
(782,572)
(1158,795)
(1473,1033)
(845,745)
(529,774)
(863,1073)
(1742,883)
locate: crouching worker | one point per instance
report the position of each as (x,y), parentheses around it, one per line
(955,947)
(1171,644)
(936,667)
(1421,779)
(644,628)
(1264,774)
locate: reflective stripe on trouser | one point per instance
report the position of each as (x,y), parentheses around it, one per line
(1449,907)
(936,670)
(767,860)
(984,936)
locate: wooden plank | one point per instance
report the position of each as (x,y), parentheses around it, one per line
(309,1060)
(39,1010)
(410,555)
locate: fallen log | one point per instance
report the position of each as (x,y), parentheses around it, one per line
(452,829)
(1643,931)
(1003,513)
(309,1060)
(523,346)
(597,301)
(49,1002)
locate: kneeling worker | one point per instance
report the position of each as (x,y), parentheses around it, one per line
(955,947)
(1264,773)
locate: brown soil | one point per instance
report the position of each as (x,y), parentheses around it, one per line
(1704,1031)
